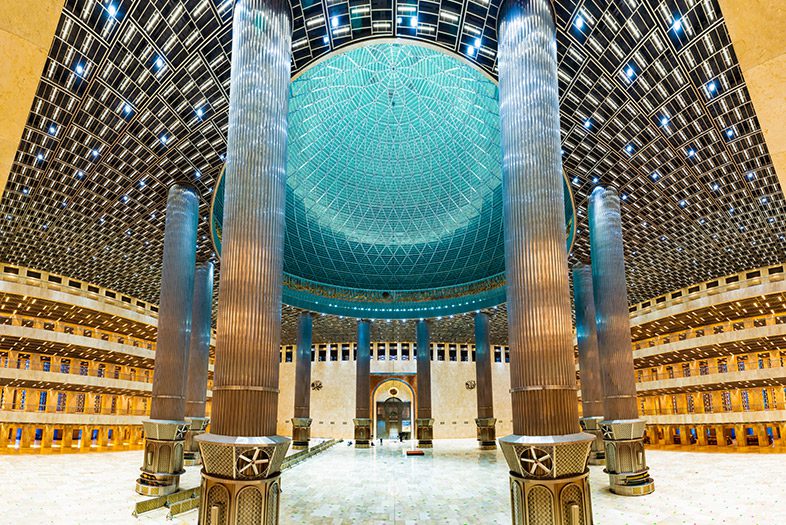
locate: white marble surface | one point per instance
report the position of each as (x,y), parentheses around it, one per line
(453,484)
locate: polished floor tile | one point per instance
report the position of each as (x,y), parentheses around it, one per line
(453,484)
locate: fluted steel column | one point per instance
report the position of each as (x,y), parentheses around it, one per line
(301,422)
(424,424)
(623,431)
(166,430)
(547,454)
(245,385)
(198,360)
(589,366)
(362,419)
(486,423)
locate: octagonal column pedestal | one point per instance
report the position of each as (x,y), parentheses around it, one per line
(362,432)
(301,432)
(591,425)
(424,431)
(197,426)
(549,479)
(241,479)
(625,461)
(487,432)
(163,461)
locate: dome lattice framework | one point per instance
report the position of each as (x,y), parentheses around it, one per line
(87,190)
(394,186)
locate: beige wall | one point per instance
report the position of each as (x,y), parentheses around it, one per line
(454,408)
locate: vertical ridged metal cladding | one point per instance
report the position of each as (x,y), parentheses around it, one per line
(586,335)
(245,392)
(303,365)
(423,340)
(611,305)
(362,385)
(542,373)
(199,348)
(483,366)
(174,308)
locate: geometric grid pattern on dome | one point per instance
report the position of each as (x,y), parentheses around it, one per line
(702,197)
(394,173)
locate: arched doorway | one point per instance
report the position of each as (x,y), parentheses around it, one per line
(393,410)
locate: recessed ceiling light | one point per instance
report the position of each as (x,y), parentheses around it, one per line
(676,24)
(579,22)
(112,10)
(664,121)
(159,63)
(52,129)
(80,69)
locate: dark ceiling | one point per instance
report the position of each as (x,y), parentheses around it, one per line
(129,103)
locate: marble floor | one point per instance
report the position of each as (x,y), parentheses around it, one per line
(453,484)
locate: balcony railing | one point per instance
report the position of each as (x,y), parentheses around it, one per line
(710,330)
(77,330)
(75,370)
(679,372)
(700,409)
(74,409)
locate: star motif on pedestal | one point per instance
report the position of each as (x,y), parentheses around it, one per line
(536,462)
(181,432)
(252,462)
(608,432)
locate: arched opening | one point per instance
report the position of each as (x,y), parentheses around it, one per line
(393,409)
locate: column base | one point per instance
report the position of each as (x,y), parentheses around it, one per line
(163,461)
(241,479)
(362,432)
(301,432)
(549,482)
(625,461)
(591,425)
(487,433)
(191,455)
(424,431)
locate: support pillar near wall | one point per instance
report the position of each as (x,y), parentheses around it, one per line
(424,424)
(198,360)
(242,455)
(301,421)
(165,432)
(547,454)
(486,423)
(362,419)
(589,365)
(623,430)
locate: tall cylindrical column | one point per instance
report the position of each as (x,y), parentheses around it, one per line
(166,430)
(486,423)
(623,431)
(547,454)
(198,360)
(301,422)
(362,419)
(424,424)
(589,366)
(245,384)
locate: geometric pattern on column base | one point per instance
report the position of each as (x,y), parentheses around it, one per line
(626,463)
(163,459)
(301,432)
(240,479)
(549,479)
(564,501)
(591,425)
(487,432)
(239,502)
(362,432)
(424,430)
(191,455)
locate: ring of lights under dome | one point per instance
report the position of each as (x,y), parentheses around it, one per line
(394,186)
